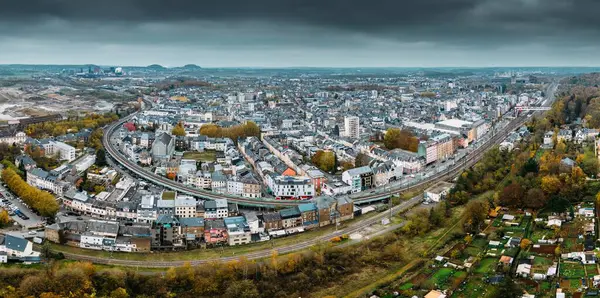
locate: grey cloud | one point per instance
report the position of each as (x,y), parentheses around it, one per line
(298,31)
(446,19)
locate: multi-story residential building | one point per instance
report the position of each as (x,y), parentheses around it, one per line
(251,187)
(445,146)
(44,180)
(238,231)
(10,137)
(192,226)
(290,217)
(100,235)
(317,176)
(256,225)
(62,150)
(428,150)
(272,221)
(218,182)
(481,128)
(359,179)
(215,232)
(309,214)
(344,208)
(216,208)
(352,127)
(26,160)
(235,186)
(384,172)
(288,187)
(185,206)
(146,211)
(409,161)
(201,180)
(18,248)
(564,135)
(326,210)
(166,232)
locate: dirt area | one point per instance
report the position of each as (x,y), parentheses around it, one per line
(20,102)
(544,249)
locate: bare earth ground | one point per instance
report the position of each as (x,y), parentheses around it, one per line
(18,103)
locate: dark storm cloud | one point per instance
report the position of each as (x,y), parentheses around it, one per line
(441,20)
(302,32)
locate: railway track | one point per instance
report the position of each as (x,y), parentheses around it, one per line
(459,165)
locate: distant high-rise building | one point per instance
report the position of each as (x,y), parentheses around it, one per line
(352,127)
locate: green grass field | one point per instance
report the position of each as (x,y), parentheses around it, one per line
(486,265)
(168,195)
(206,156)
(542,261)
(572,270)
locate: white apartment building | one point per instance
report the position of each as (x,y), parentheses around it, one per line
(216,209)
(146,212)
(185,206)
(352,127)
(201,180)
(235,187)
(64,151)
(9,138)
(85,163)
(287,187)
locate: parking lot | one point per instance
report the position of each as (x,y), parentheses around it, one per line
(10,202)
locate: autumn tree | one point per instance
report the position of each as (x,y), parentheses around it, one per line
(362,160)
(178,130)
(550,163)
(525,243)
(39,200)
(324,160)
(476,213)
(251,129)
(395,138)
(4,218)
(535,199)
(588,163)
(248,129)
(550,184)
(512,195)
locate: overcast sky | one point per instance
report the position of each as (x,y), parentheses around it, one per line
(275,33)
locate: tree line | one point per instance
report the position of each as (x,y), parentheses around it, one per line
(404,139)
(41,201)
(248,129)
(75,124)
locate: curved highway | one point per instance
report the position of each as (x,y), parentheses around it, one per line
(366,196)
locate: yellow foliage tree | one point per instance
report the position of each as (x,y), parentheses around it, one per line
(551,184)
(4,218)
(39,200)
(525,243)
(178,130)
